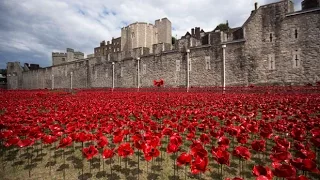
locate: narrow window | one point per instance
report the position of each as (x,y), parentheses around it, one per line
(144,69)
(296,33)
(121,71)
(270,37)
(207,61)
(271,62)
(296,60)
(177,65)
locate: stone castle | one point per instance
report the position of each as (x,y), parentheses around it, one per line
(275,46)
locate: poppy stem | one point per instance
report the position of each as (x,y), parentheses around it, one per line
(90,165)
(110,167)
(174,167)
(126,162)
(50,161)
(221,172)
(185,172)
(64,162)
(138,162)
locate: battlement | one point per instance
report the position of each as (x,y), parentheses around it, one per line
(78,53)
(70,50)
(58,54)
(162,19)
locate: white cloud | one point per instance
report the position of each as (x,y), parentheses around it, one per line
(43,26)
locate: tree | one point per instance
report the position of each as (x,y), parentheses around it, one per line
(222,27)
(173,40)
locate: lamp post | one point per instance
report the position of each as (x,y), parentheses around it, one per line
(188,69)
(52,81)
(71,74)
(224,65)
(112,76)
(138,59)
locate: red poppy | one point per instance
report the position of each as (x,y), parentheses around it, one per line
(89,152)
(315,132)
(48,139)
(118,139)
(150,152)
(12,141)
(176,139)
(298,133)
(223,141)
(25,142)
(242,152)
(306,154)
(184,159)
(138,144)
(266,132)
(283,170)
(102,142)
(167,131)
(204,138)
(280,156)
(125,150)
(305,165)
(64,142)
(191,136)
(6,134)
(259,145)
(172,148)
(233,130)
(221,156)
(262,171)
(242,138)
(199,164)
(196,149)
(315,141)
(107,153)
(282,143)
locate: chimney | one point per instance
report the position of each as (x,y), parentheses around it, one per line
(255,6)
(192,31)
(197,33)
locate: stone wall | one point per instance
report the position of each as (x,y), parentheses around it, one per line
(279,46)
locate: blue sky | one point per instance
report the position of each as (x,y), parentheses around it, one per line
(31,29)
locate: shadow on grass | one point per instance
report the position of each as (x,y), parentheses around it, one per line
(85,176)
(63,167)
(101,174)
(51,163)
(153,176)
(17,163)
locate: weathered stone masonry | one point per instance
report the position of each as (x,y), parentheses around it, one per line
(276,46)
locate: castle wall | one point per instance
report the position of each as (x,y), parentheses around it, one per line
(279,47)
(204,73)
(14,75)
(274,20)
(59,58)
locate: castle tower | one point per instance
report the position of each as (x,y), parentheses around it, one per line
(70,54)
(164,30)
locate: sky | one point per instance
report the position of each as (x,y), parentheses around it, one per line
(30,30)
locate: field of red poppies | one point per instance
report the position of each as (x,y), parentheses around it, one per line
(242,133)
